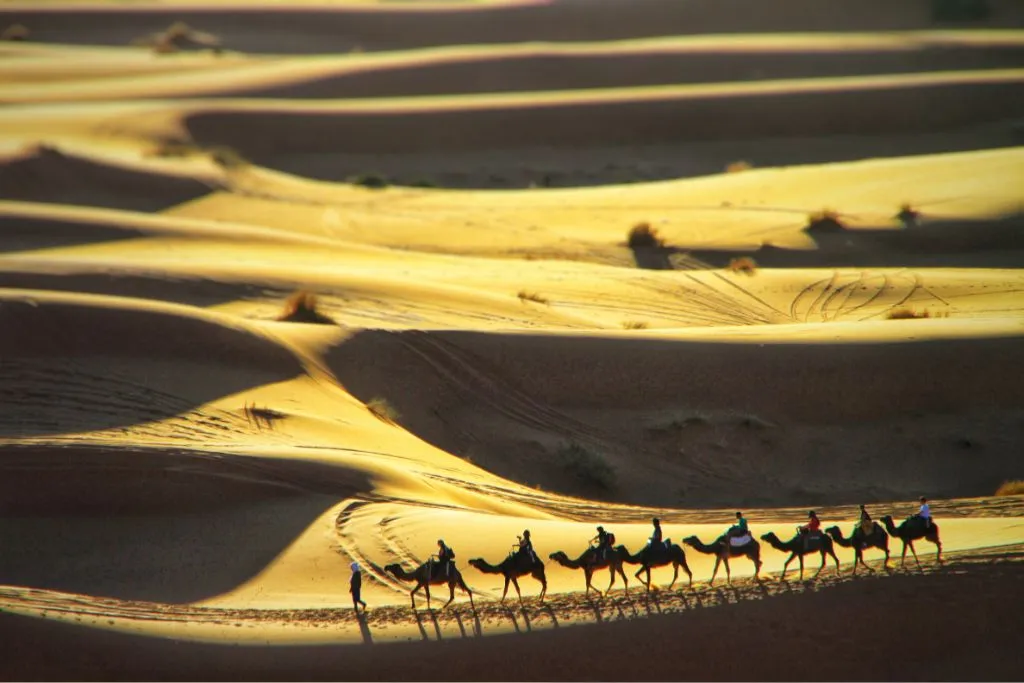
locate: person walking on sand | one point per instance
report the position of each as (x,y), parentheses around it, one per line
(355,587)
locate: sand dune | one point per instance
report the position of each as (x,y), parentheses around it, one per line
(571,263)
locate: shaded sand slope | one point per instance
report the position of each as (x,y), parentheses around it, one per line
(45,74)
(869,642)
(300,29)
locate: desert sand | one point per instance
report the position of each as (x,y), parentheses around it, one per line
(288,286)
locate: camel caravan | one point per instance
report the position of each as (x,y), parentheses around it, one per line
(737,542)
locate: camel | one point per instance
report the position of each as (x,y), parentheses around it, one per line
(512,567)
(909,532)
(589,561)
(649,558)
(797,549)
(722,549)
(859,541)
(428,573)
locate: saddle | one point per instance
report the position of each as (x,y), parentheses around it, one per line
(738,541)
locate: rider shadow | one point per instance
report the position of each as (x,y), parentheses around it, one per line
(596,606)
(364,629)
(550,613)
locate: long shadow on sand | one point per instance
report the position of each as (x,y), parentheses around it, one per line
(74,366)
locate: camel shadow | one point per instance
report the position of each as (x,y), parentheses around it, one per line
(551,613)
(595,606)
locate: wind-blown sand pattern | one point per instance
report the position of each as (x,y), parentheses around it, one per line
(828,311)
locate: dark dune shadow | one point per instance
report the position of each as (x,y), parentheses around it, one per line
(162,557)
(199,292)
(49,175)
(653,258)
(27,233)
(558,71)
(301,30)
(937,243)
(71,367)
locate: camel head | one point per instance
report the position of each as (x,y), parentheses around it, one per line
(769,537)
(395,569)
(833,530)
(559,556)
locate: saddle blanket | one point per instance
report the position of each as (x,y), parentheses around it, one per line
(737,541)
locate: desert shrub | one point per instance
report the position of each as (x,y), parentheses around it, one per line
(382,409)
(227,157)
(643,235)
(373,181)
(15,32)
(532,296)
(262,417)
(959,10)
(590,468)
(738,166)
(634,325)
(1014,487)
(906,313)
(908,215)
(177,36)
(743,264)
(825,220)
(301,307)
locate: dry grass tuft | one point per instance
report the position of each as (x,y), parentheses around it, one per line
(738,166)
(1014,487)
(525,296)
(383,410)
(179,36)
(826,220)
(372,181)
(634,325)
(262,417)
(743,264)
(906,313)
(301,307)
(643,235)
(227,157)
(15,32)
(908,215)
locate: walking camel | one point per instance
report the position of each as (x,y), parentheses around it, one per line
(911,530)
(512,567)
(722,549)
(858,540)
(651,557)
(431,573)
(797,548)
(591,560)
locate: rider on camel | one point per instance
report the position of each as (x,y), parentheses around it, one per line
(655,540)
(604,542)
(812,529)
(526,546)
(925,513)
(445,556)
(739,529)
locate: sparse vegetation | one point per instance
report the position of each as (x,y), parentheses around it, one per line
(908,215)
(179,36)
(262,417)
(634,325)
(301,307)
(1014,487)
(525,296)
(826,220)
(15,32)
(743,264)
(643,235)
(373,181)
(382,409)
(907,313)
(738,166)
(227,157)
(588,467)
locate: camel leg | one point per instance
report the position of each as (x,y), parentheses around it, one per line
(518,592)
(938,545)
(426,587)
(801,558)
(903,555)
(451,593)
(611,572)
(543,585)
(463,586)
(915,555)
(836,558)
(714,572)
(587,574)
(728,572)
(785,566)
(625,581)
(505,592)
(675,575)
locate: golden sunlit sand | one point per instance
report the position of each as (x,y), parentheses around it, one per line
(285,287)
